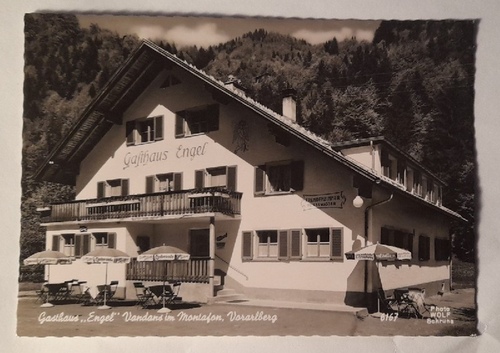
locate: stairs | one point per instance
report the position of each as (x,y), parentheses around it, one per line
(227,295)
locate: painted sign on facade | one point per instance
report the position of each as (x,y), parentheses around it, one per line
(142,158)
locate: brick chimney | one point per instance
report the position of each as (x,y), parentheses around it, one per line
(289,104)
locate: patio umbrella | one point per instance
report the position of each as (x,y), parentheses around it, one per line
(164,253)
(47,257)
(379,252)
(106,255)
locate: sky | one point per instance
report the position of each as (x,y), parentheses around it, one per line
(206,31)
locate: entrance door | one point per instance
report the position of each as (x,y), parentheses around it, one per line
(199,243)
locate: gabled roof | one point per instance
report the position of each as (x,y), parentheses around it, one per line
(107,109)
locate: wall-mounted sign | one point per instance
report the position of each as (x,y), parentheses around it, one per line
(333,200)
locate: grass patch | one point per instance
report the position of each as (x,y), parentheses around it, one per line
(463,274)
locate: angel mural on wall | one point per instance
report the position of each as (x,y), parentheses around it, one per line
(241,136)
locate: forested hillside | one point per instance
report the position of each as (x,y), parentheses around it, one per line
(413,84)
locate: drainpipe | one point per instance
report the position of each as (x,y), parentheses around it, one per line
(211,261)
(367,211)
(373,155)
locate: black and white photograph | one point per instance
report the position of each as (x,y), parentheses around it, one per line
(201,175)
(226,176)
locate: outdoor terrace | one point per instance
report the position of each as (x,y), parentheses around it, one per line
(207,200)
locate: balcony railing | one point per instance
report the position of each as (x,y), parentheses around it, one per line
(193,270)
(146,205)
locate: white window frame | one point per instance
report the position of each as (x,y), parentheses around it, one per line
(271,248)
(154,130)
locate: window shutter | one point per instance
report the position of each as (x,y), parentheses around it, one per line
(199,179)
(85,244)
(384,236)
(56,242)
(336,244)
(124,187)
(158,128)
(177,181)
(423,248)
(260,177)
(399,240)
(410,243)
(150,184)
(283,245)
(112,240)
(213,117)
(247,249)
(295,244)
(101,187)
(179,124)
(78,245)
(130,132)
(297,176)
(231,178)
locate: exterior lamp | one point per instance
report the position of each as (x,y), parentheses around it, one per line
(357,202)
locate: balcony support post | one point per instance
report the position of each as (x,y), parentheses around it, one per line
(211,261)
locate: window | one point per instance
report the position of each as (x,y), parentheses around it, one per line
(441,249)
(283,177)
(388,164)
(401,177)
(324,243)
(110,188)
(318,242)
(417,183)
(424,245)
(268,243)
(199,245)
(224,177)
(398,238)
(69,244)
(429,195)
(163,182)
(104,240)
(144,130)
(197,120)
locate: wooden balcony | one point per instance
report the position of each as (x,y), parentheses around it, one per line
(207,200)
(193,270)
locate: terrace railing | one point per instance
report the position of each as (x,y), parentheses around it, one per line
(193,270)
(146,205)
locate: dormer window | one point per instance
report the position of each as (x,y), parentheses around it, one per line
(389,165)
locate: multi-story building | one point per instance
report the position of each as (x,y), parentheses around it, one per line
(166,154)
